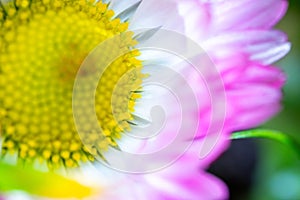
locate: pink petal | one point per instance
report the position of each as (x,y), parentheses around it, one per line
(262,46)
(243,73)
(184,180)
(253,95)
(247,14)
(208,148)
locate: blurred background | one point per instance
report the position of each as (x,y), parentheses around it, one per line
(262,169)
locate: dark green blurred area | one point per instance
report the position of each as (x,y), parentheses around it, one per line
(278,170)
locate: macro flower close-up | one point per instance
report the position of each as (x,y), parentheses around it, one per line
(133,99)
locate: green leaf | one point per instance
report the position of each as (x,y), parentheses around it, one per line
(268,134)
(39,183)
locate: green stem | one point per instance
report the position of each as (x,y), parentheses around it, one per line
(269,134)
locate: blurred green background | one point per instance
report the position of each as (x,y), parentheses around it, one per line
(278,170)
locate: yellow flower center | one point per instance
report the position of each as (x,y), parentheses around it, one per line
(42,46)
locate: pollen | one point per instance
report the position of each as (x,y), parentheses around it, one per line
(42,46)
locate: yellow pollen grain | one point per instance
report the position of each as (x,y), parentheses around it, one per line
(42,46)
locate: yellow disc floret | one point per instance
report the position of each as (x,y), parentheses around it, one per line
(42,46)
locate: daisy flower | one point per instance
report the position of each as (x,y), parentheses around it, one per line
(70,67)
(49,77)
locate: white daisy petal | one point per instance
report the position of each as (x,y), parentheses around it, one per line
(152,14)
(119,6)
(126,14)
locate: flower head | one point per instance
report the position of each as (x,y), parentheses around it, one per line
(43,45)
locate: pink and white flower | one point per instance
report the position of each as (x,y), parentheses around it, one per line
(239,39)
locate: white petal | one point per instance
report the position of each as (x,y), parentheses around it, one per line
(120,5)
(17,195)
(153,14)
(170,105)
